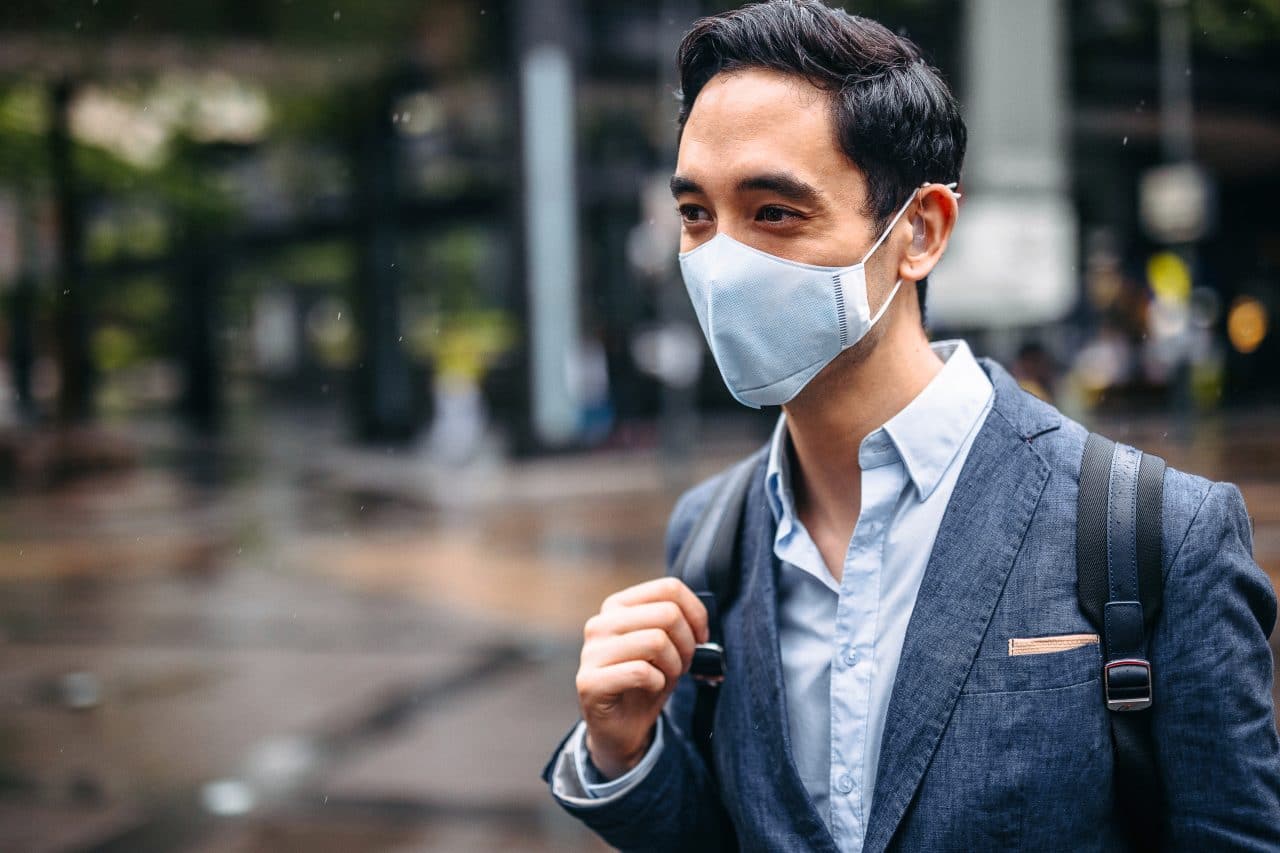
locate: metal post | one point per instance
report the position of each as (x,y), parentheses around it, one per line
(197,322)
(75,367)
(1175,82)
(679,416)
(548,132)
(1176,142)
(22,316)
(383,392)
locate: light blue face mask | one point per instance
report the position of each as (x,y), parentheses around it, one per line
(773,324)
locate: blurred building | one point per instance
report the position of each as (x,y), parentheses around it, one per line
(416,213)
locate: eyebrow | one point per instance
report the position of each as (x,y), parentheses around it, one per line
(680,185)
(782,183)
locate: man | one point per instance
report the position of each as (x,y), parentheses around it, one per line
(908,664)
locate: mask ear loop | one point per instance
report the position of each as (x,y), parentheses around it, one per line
(898,284)
(899,215)
(888,300)
(889,228)
(951,186)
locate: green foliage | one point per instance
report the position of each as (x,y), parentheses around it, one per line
(313,264)
(1231,25)
(291,22)
(136,321)
(128,231)
(114,347)
(451,268)
(23,146)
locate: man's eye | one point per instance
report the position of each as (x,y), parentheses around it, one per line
(691,213)
(773,213)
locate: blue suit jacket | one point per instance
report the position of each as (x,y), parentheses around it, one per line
(983,750)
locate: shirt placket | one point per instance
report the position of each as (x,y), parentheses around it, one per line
(853,649)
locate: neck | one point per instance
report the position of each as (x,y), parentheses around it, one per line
(843,405)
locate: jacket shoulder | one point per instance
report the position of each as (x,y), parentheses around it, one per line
(1184,492)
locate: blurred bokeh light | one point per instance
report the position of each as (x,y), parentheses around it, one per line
(345,368)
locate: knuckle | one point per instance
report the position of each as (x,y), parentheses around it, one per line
(640,677)
(655,641)
(671,586)
(671,615)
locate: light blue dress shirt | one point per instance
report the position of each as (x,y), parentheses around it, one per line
(840,641)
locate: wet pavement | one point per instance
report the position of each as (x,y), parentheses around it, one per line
(281,642)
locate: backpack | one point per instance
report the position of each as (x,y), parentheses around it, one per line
(1118,580)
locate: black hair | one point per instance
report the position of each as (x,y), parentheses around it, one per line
(895,117)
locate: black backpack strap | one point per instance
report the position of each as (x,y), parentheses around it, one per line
(703,562)
(1120,586)
(706,563)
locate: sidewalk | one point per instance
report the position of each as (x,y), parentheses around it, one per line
(289,643)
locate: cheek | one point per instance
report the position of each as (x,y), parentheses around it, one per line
(689,242)
(881,277)
(837,243)
(844,235)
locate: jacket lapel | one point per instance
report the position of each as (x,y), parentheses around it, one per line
(764,684)
(980,535)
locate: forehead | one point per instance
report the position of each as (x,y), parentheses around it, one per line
(753,119)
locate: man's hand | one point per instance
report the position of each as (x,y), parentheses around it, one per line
(633,652)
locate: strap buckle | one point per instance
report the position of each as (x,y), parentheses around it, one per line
(1127,682)
(708,664)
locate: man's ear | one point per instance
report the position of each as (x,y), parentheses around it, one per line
(931,226)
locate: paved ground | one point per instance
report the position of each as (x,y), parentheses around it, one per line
(283,643)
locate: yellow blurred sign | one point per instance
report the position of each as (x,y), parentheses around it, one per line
(1169,277)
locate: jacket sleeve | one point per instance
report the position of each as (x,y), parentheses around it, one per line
(1213,716)
(675,806)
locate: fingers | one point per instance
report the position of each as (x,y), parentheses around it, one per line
(642,639)
(651,645)
(619,678)
(664,589)
(666,615)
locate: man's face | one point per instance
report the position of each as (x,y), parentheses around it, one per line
(759,161)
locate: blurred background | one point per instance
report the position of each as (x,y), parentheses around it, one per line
(345,367)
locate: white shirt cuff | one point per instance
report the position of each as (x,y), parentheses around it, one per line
(589,777)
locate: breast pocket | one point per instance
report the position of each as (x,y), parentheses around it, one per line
(1029,747)
(1038,663)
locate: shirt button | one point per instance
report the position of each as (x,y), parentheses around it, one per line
(850,657)
(844,784)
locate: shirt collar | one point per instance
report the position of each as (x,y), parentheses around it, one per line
(932,428)
(926,435)
(777,474)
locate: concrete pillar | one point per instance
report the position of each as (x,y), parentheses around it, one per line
(1012,260)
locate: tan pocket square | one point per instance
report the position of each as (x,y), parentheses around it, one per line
(1041,645)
